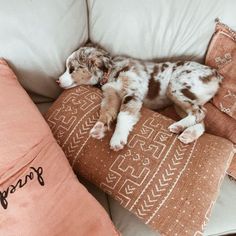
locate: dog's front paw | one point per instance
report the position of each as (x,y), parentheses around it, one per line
(98,130)
(176,128)
(118,142)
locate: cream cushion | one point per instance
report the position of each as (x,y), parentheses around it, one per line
(36,37)
(157,28)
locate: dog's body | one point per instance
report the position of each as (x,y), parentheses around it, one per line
(127,84)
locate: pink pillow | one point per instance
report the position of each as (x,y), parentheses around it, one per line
(39,193)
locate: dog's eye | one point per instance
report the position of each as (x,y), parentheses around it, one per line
(71,69)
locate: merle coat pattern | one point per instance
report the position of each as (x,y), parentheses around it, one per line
(127,84)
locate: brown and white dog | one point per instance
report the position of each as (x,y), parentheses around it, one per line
(128,83)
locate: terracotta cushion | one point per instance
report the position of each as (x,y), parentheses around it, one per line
(39,193)
(221,55)
(216,123)
(169,185)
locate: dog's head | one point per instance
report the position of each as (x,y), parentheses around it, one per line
(86,66)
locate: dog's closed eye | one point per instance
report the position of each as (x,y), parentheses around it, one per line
(71,69)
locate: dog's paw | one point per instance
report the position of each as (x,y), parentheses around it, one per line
(176,128)
(192,133)
(98,130)
(188,136)
(118,142)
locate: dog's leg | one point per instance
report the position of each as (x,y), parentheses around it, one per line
(194,116)
(108,112)
(127,118)
(195,112)
(192,133)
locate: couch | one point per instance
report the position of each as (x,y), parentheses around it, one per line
(37,36)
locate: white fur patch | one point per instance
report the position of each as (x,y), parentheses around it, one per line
(98,130)
(66,81)
(192,133)
(179,126)
(124,126)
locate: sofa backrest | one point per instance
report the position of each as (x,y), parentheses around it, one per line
(36,37)
(162,29)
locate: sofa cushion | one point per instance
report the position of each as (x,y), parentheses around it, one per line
(215,123)
(157,28)
(39,193)
(169,185)
(36,37)
(221,55)
(221,222)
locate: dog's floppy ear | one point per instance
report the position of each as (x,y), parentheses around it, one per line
(101,60)
(107,62)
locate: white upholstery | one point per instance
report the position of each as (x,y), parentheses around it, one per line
(223,217)
(36,37)
(151,29)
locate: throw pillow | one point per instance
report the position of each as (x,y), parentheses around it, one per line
(221,55)
(39,193)
(169,185)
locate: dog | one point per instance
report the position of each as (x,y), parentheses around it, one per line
(128,83)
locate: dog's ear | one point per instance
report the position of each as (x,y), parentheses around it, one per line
(107,62)
(101,60)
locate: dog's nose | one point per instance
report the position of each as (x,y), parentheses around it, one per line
(58,81)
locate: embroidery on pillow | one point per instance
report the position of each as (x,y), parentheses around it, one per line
(34,173)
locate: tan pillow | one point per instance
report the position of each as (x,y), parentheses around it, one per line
(221,55)
(217,123)
(39,193)
(169,185)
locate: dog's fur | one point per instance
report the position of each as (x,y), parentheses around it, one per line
(132,83)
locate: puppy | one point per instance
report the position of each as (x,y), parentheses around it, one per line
(128,83)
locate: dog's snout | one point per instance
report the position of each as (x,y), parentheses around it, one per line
(58,81)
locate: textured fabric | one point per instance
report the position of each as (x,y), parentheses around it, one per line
(215,124)
(36,37)
(221,222)
(222,55)
(39,193)
(157,28)
(169,185)
(223,217)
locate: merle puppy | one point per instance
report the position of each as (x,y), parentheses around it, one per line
(128,83)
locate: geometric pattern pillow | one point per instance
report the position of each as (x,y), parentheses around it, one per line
(221,55)
(215,121)
(171,186)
